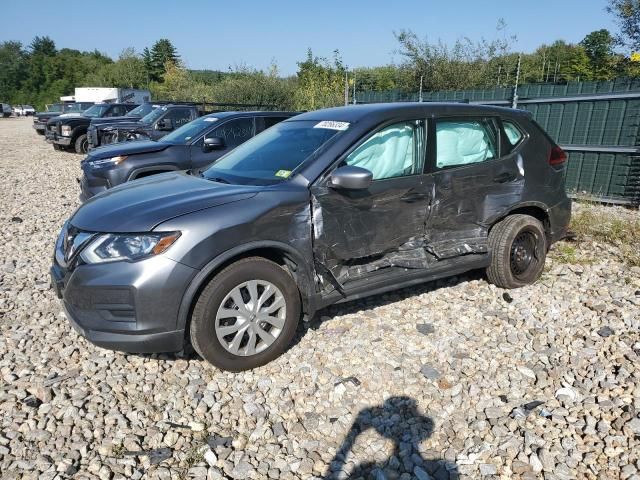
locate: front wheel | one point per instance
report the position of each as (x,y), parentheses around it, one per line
(518,246)
(82,144)
(246,316)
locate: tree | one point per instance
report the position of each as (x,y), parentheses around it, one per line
(42,46)
(627,14)
(598,47)
(13,67)
(162,53)
(320,82)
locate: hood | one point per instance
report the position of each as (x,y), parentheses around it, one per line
(68,115)
(142,205)
(127,148)
(47,115)
(131,125)
(118,120)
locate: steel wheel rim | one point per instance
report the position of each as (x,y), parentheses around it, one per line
(523,254)
(250,318)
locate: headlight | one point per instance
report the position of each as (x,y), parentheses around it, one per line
(65,131)
(107,162)
(115,247)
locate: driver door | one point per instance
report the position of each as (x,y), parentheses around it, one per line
(357,231)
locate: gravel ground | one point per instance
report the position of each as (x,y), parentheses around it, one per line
(453,379)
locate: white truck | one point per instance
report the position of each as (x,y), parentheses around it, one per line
(108,95)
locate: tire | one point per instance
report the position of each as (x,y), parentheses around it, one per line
(82,144)
(518,245)
(215,301)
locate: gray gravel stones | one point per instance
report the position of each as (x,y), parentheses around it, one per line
(440,368)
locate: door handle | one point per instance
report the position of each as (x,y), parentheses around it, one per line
(413,197)
(504,177)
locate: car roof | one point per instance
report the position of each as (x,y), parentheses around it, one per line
(355,113)
(257,113)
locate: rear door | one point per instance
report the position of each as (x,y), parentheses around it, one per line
(233,132)
(477,177)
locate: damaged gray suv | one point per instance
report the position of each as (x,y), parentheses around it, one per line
(325,207)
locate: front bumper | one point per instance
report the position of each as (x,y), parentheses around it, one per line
(60,140)
(91,185)
(39,127)
(126,306)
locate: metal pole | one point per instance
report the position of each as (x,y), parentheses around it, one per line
(420,96)
(514,103)
(346,87)
(354,87)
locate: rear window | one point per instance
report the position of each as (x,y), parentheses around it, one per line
(465,141)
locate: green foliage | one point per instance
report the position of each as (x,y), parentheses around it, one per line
(162,53)
(627,15)
(320,82)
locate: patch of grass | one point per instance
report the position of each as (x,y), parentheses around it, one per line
(589,223)
(568,253)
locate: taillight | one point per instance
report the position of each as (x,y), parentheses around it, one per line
(557,157)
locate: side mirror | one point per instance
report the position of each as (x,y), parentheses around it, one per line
(164,125)
(351,178)
(212,143)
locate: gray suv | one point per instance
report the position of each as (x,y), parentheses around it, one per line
(325,207)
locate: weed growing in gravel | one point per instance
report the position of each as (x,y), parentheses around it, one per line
(117,450)
(568,253)
(193,456)
(590,223)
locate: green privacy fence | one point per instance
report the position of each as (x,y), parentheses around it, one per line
(598,123)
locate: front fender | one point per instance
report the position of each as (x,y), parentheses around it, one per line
(303,274)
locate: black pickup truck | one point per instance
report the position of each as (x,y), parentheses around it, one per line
(153,126)
(40,119)
(103,131)
(66,132)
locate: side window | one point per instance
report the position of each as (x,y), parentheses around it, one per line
(394,151)
(512,132)
(117,111)
(179,116)
(465,141)
(234,132)
(271,121)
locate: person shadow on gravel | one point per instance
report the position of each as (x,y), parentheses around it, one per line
(398,420)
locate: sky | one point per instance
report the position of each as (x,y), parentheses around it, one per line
(217,35)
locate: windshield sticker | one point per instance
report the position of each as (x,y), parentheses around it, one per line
(332,125)
(283,173)
(211,119)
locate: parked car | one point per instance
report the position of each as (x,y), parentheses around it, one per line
(23,110)
(5,110)
(40,119)
(193,145)
(103,131)
(325,207)
(153,126)
(71,131)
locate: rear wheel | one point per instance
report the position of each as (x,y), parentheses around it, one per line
(246,316)
(519,247)
(82,144)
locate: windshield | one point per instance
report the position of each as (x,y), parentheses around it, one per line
(76,107)
(189,130)
(151,117)
(56,107)
(272,156)
(140,110)
(96,110)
